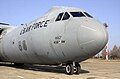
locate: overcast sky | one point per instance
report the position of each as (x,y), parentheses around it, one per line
(16,12)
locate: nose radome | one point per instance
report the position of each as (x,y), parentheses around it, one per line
(101,37)
(92,39)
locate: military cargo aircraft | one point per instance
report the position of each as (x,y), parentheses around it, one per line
(64,35)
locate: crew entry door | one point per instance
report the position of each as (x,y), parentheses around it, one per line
(59,28)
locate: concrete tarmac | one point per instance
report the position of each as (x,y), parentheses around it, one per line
(91,69)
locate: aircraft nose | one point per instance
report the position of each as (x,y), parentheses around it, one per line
(101,37)
(92,39)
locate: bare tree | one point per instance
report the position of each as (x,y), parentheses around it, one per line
(115,52)
(119,52)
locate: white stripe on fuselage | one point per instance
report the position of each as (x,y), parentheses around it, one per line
(88,28)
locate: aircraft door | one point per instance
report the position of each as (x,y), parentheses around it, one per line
(58,31)
(57,34)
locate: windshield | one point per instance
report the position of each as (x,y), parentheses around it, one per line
(59,17)
(77,14)
(88,15)
(66,16)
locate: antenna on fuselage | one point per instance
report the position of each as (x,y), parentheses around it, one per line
(105,24)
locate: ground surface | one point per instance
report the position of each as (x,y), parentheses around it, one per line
(91,69)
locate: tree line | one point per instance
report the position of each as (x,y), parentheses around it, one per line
(115,52)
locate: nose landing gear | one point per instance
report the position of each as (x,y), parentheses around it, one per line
(73,68)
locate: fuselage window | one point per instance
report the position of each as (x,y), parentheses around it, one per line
(66,16)
(59,17)
(77,14)
(88,15)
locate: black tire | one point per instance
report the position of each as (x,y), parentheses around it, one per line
(78,69)
(69,69)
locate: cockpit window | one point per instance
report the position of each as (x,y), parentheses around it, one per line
(77,14)
(88,15)
(59,17)
(66,16)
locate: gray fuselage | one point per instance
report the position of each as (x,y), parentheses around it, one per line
(46,41)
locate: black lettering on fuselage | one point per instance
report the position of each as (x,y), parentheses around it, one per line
(34,26)
(45,25)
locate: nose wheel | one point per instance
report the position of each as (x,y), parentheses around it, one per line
(69,69)
(73,68)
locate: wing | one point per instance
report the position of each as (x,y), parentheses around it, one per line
(4,28)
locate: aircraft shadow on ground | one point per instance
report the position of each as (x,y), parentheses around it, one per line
(42,68)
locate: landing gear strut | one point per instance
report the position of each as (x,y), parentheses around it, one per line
(73,68)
